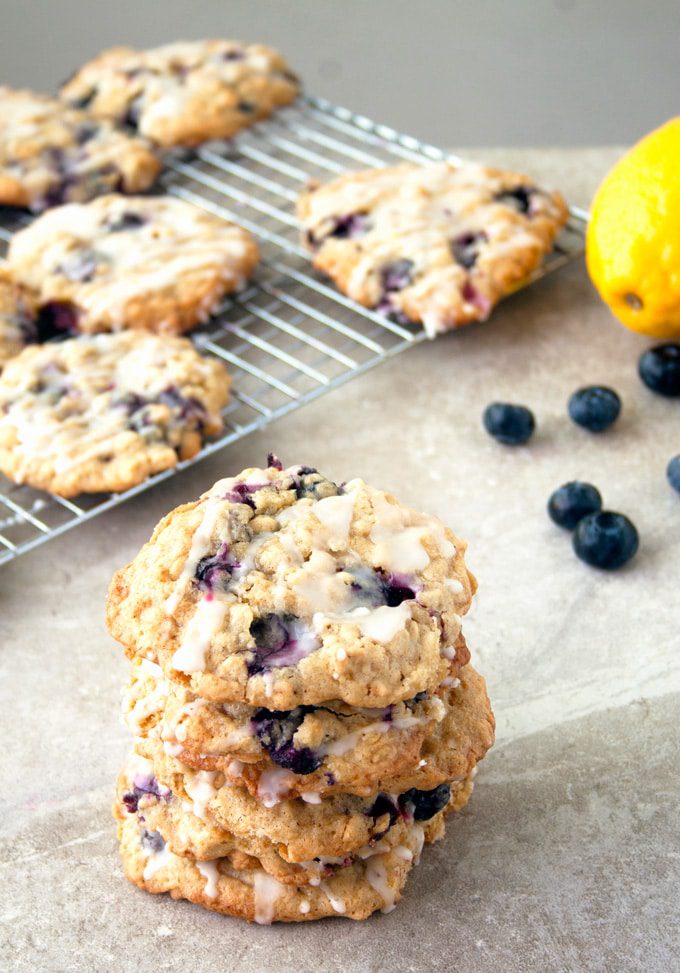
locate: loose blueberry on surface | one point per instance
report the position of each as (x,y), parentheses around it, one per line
(153,841)
(594,407)
(275,731)
(425,804)
(509,424)
(572,502)
(659,369)
(213,573)
(397,275)
(605,540)
(465,248)
(673,473)
(518,199)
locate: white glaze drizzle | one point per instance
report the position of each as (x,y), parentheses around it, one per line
(378,624)
(266,891)
(209,872)
(200,788)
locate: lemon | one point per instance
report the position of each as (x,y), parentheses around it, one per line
(633,238)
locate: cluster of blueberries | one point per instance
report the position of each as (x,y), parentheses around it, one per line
(601,538)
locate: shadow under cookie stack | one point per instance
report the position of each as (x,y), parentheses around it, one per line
(304,711)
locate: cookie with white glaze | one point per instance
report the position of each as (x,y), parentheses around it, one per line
(187,828)
(277,588)
(51,154)
(438,244)
(12,321)
(104,412)
(184,93)
(367,885)
(301,829)
(331,749)
(156,264)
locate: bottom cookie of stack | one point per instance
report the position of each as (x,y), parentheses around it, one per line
(166,847)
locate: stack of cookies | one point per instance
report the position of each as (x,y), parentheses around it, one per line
(304,710)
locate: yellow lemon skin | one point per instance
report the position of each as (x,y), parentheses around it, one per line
(633,238)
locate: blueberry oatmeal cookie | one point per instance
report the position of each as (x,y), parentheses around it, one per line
(184,93)
(278,588)
(52,154)
(104,412)
(12,320)
(157,264)
(438,244)
(374,881)
(327,749)
(187,828)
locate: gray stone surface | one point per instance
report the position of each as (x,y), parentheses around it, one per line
(566,858)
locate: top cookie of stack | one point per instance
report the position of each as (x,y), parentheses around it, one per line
(279,588)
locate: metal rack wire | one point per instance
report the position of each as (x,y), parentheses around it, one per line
(290,337)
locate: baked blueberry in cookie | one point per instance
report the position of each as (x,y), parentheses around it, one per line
(119,262)
(185,93)
(438,244)
(52,154)
(104,412)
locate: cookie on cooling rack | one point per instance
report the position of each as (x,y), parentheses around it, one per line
(438,244)
(184,93)
(13,334)
(52,154)
(154,263)
(279,588)
(104,412)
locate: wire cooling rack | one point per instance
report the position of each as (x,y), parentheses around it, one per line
(290,337)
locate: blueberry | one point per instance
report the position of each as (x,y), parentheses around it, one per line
(605,540)
(56,319)
(465,248)
(273,462)
(384,804)
(213,573)
(126,221)
(247,107)
(397,275)
(153,841)
(275,731)
(509,424)
(673,472)
(594,407)
(311,483)
(659,369)
(85,132)
(241,493)
(375,588)
(572,502)
(518,199)
(350,226)
(280,640)
(141,785)
(425,804)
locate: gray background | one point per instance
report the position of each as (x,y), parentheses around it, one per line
(454,72)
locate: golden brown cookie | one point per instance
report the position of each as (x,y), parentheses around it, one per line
(184,93)
(155,264)
(279,589)
(52,154)
(438,244)
(104,412)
